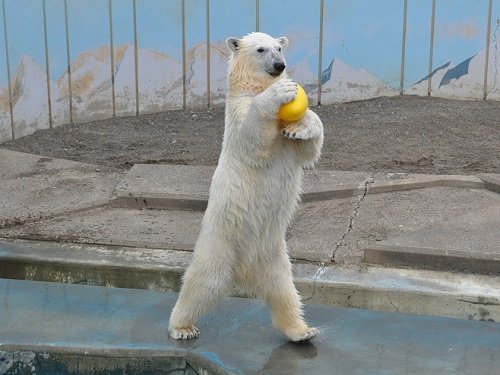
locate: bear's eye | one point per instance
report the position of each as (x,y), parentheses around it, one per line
(279,49)
(260,50)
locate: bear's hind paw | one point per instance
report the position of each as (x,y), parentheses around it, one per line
(306,335)
(184,333)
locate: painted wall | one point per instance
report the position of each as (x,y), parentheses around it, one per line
(81,60)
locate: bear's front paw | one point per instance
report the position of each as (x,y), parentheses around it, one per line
(283,91)
(184,333)
(297,130)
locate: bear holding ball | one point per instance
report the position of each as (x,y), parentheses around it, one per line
(254,192)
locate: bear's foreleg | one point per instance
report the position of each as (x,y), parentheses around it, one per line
(256,128)
(308,133)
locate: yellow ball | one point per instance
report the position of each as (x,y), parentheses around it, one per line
(295,109)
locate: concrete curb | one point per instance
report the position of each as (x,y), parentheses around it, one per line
(491,181)
(423,182)
(389,186)
(133,192)
(431,259)
(475,297)
(167,202)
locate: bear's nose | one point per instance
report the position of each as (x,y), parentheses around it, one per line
(279,67)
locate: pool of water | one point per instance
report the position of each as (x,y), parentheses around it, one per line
(38,363)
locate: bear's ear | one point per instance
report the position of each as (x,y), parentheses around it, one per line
(283,41)
(233,44)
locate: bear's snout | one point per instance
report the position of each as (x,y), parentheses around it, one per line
(278,68)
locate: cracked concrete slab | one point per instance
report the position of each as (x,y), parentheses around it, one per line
(178,229)
(341,228)
(53,193)
(344,227)
(35,187)
(317,227)
(384,216)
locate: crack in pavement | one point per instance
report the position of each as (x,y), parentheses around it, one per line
(350,227)
(317,275)
(322,266)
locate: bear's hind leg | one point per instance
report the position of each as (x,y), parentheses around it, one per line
(279,292)
(205,282)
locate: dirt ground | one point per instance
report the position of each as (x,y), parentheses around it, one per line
(397,134)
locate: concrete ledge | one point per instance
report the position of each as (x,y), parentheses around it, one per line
(432,259)
(187,187)
(388,186)
(167,202)
(468,243)
(397,290)
(122,267)
(491,181)
(426,181)
(164,187)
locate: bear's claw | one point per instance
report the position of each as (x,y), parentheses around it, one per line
(184,333)
(295,132)
(309,334)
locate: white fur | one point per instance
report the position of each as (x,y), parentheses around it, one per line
(254,192)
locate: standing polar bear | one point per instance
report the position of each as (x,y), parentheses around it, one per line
(254,192)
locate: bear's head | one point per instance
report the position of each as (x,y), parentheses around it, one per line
(256,61)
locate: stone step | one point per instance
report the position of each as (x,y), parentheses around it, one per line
(335,230)
(456,295)
(187,187)
(469,243)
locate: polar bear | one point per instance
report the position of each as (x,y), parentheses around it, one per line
(254,191)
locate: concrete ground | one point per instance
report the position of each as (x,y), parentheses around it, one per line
(47,326)
(397,242)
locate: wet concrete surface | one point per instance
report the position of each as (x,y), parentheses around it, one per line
(237,337)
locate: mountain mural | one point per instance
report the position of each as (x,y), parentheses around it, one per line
(196,74)
(29,97)
(161,86)
(5,130)
(340,82)
(160,83)
(465,79)
(493,89)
